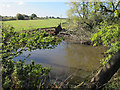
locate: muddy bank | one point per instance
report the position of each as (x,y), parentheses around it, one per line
(49,30)
(70,37)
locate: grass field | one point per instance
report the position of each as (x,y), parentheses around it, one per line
(20,25)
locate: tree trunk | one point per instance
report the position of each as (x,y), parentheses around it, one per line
(106,73)
(94,7)
(87,10)
(83,9)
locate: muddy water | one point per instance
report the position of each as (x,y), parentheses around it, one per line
(75,60)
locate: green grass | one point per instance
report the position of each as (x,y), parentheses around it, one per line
(20,25)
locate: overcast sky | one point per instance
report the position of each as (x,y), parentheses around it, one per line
(12,7)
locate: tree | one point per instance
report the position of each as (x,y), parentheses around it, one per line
(53,17)
(108,33)
(31,18)
(26,17)
(50,17)
(58,17)
(112,6)
(19,17)
(33,15)
(106,73)
(109,36)
(46,17)
(79,11)
(0,18)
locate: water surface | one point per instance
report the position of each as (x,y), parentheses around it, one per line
(76,60)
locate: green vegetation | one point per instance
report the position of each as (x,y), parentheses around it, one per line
(19,17)
(20,25)
(18,74)
(26,17)
(85,17)
(109,35)
(33,16)
(102,20)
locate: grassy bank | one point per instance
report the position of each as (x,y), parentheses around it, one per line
(20,25)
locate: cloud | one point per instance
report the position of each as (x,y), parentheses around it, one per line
(20,3)
(6,5)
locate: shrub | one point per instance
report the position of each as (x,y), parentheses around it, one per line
(19,17)
(17,74)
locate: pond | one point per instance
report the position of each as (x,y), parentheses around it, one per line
(67,60)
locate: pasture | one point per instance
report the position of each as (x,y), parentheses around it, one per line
(20,25)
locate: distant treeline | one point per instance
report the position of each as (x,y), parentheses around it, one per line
(26,17)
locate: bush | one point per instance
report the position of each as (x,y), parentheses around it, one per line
(17,74)
(19,17)
(31,18)
(33,15)
(25,75)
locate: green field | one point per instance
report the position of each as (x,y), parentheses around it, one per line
(20,25)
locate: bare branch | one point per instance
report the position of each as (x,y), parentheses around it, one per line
(113,6)
(77,10)
(117,5)
(105,9)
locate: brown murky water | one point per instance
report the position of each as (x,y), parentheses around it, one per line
(76,60)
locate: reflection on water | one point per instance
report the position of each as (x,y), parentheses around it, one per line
(67,59)
(83,57)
